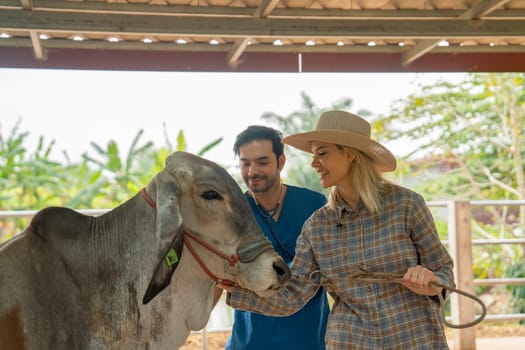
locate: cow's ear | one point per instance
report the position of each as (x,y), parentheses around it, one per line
(168,230)
(165,268)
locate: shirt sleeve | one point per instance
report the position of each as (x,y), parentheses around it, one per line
(432,254)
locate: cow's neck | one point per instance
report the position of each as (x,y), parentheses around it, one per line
(194,288)
(113,244)
(130,224)
(185,305)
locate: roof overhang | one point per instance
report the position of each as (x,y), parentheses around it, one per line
(260,62)
(265,36)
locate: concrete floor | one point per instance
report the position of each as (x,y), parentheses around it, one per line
(503,343)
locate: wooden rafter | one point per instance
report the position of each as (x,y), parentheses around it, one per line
(18,20)
(481,9)
(303,26)
(262,11)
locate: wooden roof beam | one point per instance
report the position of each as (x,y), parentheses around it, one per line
(263,10)
(120,24)
(39,51)
(27,4)
(228,11)
(482,8)
(236,51)
(35,40)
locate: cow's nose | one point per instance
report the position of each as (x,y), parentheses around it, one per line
(282,270)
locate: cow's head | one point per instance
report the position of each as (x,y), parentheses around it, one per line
(196,195)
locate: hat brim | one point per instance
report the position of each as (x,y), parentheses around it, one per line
(383,159)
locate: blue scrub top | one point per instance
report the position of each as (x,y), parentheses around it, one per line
(304,330)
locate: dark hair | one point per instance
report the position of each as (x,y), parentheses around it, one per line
(259,132)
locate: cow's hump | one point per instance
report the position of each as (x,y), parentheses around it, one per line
(59,222)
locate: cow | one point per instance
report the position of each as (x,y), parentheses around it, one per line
(142,275)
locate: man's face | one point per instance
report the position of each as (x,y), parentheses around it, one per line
(259,168)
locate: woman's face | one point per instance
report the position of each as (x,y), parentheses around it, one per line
(331,163)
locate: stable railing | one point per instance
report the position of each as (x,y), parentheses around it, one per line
(460,244)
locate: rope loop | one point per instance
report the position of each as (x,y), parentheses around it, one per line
(316,277)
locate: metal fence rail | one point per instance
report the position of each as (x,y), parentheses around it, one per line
(10,214)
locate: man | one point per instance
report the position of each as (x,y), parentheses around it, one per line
(280,211)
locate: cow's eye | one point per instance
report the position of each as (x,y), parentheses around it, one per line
(208,195)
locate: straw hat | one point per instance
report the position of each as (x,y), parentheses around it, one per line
(347,129)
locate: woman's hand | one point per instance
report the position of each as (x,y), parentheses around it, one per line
(226,287)
(418,279)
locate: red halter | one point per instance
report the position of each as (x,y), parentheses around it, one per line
(232,260)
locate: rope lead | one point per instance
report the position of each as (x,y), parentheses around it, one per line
(378,277)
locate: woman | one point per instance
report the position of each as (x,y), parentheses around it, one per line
(368,226)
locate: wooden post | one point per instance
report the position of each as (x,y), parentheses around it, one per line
(460,248)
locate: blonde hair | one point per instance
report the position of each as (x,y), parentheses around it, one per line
(367,180)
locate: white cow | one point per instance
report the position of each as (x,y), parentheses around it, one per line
(71,281)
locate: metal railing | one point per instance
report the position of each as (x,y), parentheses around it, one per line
(460,244)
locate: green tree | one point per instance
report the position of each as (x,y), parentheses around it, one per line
(475,130)
(469,137)
(298,170)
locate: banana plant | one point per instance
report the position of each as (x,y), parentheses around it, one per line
(125,175)
(120,173)
(28,179)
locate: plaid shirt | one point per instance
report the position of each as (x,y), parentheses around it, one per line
(338,244)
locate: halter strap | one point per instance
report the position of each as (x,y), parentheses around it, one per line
(232,260)
(147,198)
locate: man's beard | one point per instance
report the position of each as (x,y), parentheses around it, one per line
(261,187)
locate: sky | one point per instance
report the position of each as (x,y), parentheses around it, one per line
(76,107)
